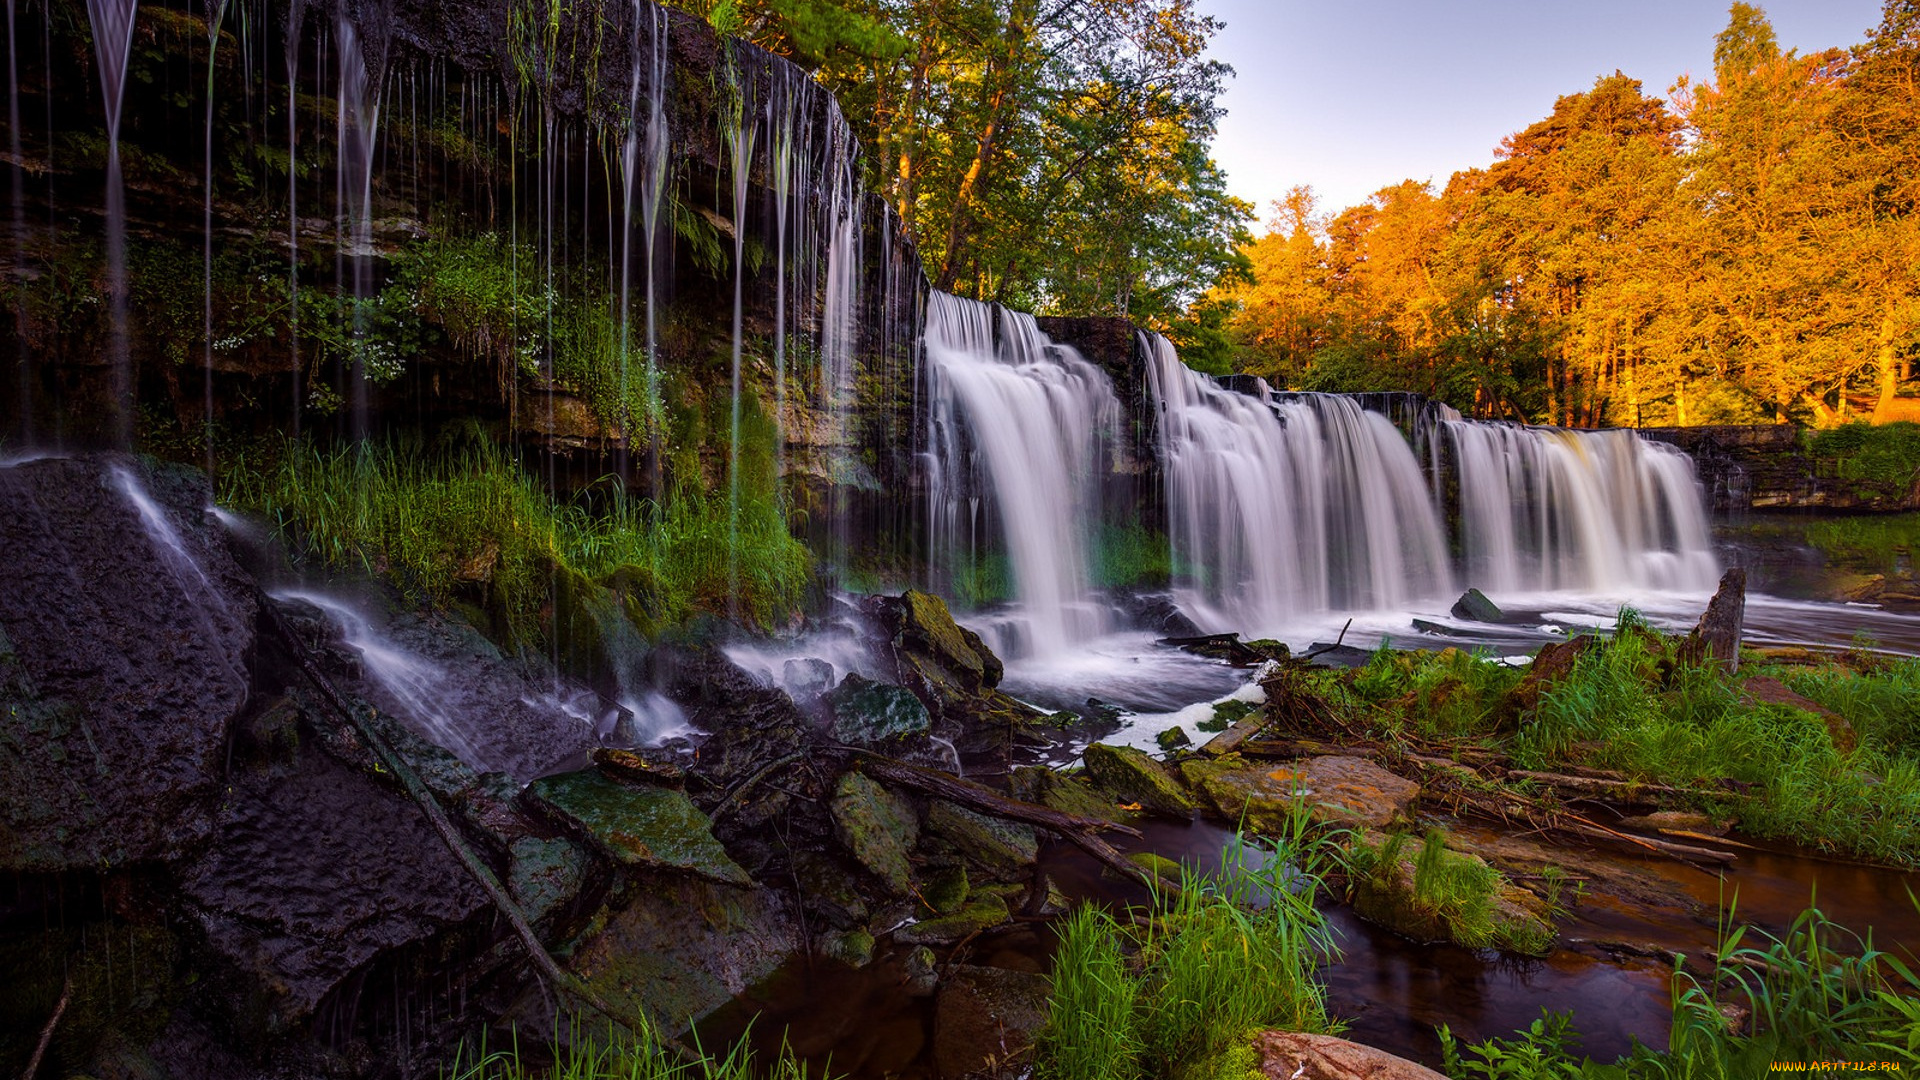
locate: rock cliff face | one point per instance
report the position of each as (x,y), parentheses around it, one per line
(1766,467)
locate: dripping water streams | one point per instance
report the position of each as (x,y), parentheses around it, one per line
(215,18)
(358,134)
(740,132)
(112,45)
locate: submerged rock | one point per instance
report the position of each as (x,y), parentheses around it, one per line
(1131,776)
(638,826)
(986,1018)
(1474,606)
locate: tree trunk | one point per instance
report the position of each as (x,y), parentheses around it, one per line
(1889,367)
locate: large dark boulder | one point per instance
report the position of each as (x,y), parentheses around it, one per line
(315,876)
(126,631)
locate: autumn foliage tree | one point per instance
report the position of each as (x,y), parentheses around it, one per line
(1746,252)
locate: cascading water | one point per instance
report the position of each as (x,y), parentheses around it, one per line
(1591,510)
(1017,427)
(1283,506)
(1279,509)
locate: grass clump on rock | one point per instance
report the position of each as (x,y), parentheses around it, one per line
(471,524)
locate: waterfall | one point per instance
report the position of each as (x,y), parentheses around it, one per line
(1017,427)
(1594,510)
(1281,507)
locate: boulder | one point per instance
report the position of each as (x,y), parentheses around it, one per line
(1716,638)
(126,635)
(941,647)
(866,713)
(309,881)
(1000,847)
(1131,776)
(1550,665)
(639,826)
(1068,793)
(985,1020)
(1292,1055)
(878,827)
(1474,606)
(1337,790)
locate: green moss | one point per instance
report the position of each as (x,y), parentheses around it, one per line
(1876,459)
(640,825)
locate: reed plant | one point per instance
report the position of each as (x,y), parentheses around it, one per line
(1178,993)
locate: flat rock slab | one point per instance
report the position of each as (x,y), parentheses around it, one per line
(1336,790)
(878,827)
(639,826)
(1291,1055)
(125,634)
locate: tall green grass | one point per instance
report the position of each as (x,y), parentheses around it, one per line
(1457,891)
(637,1055)
(469,523)
(1625,706)
(1178,995)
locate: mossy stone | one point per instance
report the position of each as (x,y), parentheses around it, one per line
(984,913)
(639,826)
(545,875)
(946,891)
(866,712)
(1001,847)
(878,827)
(1158,865)
(1131,776)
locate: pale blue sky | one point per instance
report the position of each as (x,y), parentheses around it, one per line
(1352,95)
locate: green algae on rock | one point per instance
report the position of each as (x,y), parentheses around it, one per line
(878,827)
(1130,775)
(639,826)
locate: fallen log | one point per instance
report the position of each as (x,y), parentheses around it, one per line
(1076,828)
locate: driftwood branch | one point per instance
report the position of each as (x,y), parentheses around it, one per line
(1076,828)
(46,1033)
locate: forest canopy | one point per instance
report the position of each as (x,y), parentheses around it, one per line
(1052,155)
(1744,251)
